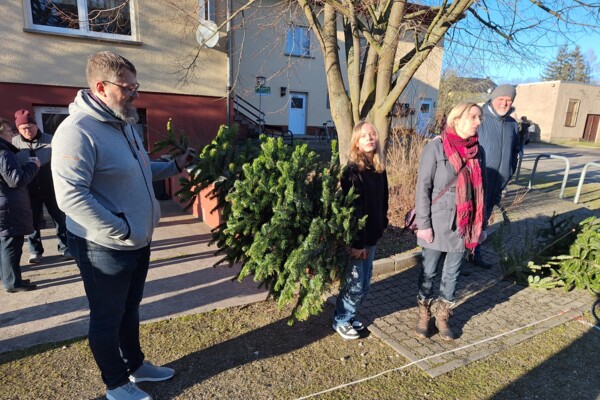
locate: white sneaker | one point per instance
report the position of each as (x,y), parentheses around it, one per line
(357,325)
(149,372)
(346,331)
(128,391)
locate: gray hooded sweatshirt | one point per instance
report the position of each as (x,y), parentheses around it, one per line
(103,177)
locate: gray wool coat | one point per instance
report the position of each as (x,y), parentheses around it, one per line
(435,172)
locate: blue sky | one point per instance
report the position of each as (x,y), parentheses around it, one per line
(536,35)
(512,74)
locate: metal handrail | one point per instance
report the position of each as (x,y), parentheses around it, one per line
(566,173)
(259,115)
(582,179)
(519,165)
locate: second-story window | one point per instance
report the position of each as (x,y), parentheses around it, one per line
(206,10)
(109,19)
(297,41)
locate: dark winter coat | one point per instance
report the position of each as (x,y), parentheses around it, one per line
(16,218)
(41,187)
(372,201)
(499,138)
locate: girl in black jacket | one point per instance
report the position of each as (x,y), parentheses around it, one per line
(366,173)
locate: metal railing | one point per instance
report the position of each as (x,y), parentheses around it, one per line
(582,179)
(253,114)
(566,173)
(519,165)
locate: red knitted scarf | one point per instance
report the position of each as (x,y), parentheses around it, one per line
(469,186)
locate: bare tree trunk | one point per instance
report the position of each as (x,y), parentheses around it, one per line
(341,107)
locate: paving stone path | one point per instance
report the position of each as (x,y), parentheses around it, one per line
(492,313)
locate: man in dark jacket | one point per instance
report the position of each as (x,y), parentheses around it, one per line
(34,143)
(499,138)
(15,211)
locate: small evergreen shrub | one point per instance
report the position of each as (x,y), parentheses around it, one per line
(567,255)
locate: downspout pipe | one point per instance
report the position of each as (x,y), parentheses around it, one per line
(229,63)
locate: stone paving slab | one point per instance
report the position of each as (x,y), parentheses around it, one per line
(491,311)
(181,281)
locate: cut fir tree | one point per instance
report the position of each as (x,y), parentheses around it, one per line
(286,220)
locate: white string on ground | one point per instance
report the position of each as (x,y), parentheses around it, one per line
(589,324)
(432,356)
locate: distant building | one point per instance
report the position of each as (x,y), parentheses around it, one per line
(561,111)
(283,53)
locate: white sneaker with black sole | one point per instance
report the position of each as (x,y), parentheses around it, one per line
(357,325)
(346,331)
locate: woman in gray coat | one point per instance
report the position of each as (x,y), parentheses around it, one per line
(452,221)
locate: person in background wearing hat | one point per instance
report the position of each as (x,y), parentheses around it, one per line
(34,143)
(499,139)
(15,212)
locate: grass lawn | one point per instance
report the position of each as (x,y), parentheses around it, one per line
(251,353)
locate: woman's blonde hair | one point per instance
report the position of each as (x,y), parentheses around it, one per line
(458,111)
(357,157)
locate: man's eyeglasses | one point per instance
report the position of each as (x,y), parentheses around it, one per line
(133,88)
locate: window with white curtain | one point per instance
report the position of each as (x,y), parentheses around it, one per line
(297,41)
(206,10)
(107,19)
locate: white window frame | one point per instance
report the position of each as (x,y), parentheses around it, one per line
(206,10)
(297,41)
(38,111)
(83,30)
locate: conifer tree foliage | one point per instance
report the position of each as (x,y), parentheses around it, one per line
(286,220)
(569,66)
(290,225)
(219,163)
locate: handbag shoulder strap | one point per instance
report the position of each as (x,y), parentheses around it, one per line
(448,186)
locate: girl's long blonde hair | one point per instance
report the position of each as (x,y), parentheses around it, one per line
(357,157)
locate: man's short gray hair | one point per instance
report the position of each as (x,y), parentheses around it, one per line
(106,65)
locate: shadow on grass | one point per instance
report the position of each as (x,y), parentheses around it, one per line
(563,376)
(272,340)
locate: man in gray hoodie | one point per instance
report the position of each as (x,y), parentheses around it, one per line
(103,182)
(499,139)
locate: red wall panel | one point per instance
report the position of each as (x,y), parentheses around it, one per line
(199,117)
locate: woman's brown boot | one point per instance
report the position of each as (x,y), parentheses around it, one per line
(444,311)
(422,329)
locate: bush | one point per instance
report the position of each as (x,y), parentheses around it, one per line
(403,153)
(566,255)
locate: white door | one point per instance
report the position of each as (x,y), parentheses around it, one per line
(48,118)
(424,116)
(297,113)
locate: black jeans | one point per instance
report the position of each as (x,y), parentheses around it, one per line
(34,240)
(114,286)
(11,248)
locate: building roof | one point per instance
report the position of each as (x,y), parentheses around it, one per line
(476,85)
